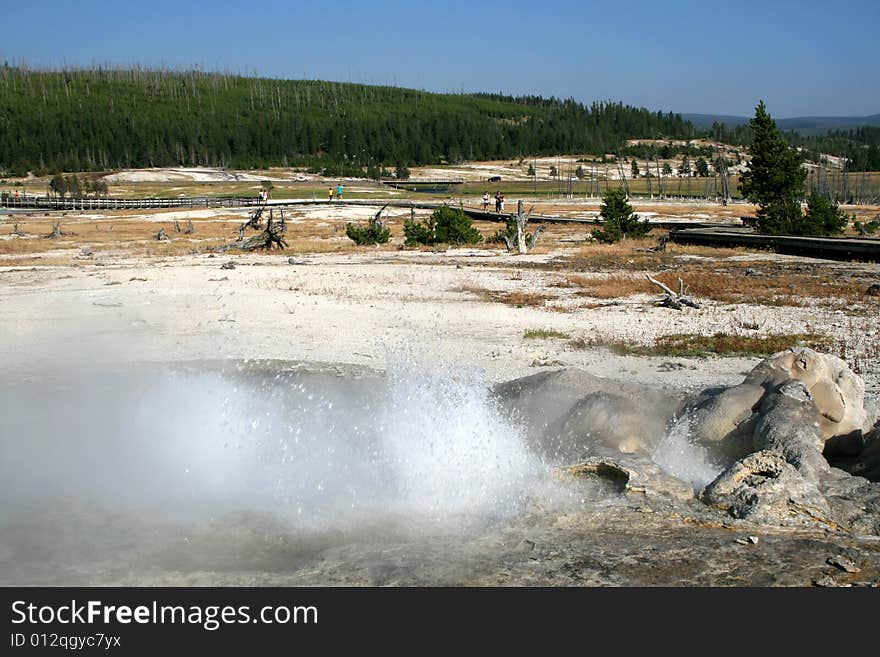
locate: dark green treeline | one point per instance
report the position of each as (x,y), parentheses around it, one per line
(100,119)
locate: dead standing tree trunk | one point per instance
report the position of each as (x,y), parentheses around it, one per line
(523,241)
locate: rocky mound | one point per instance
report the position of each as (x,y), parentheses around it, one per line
(793,438)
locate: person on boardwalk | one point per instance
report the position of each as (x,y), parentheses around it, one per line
(502,202)
(339,192)
(485,201)
(329,194)
(498,201)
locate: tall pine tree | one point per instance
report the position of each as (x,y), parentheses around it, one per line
(775,178)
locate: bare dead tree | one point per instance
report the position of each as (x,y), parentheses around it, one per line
(162,236)
(659,247)
(533,238)
(176,226)
(253,222)
(190,229)
(622,174)
(56,231)
(672,299)
(18,232)
(268,238)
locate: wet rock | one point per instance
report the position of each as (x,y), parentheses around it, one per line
(526,545)
(854,501)
(227,265)
(789,425)
(748,540)
(538,362)
(846,565)
(726,420)
(867,461)
(764,487)
(827,581)
(570,414)
(632,474)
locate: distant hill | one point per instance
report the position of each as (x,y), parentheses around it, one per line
(99,119)
(806,125)
(814,125)
(704,121)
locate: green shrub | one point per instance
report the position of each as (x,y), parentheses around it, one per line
(453,226)
(781,216)
(417,232)
(824,216)
(509,232)
(785,217)
(375,233)
(445,226)
(868,228)
(618,219)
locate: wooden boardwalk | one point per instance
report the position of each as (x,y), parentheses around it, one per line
(89,204)
(863,249)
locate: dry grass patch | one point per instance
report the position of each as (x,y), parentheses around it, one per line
(770,289)
(545,334)
(718,344)
(609,286)
(518,299)
(767,287)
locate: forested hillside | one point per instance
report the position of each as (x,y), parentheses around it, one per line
(104,119)
(860,147)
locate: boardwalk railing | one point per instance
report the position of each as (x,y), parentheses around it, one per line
(82,204)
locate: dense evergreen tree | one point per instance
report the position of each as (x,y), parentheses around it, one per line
(684,169)
(446,225)
(775,178)
(701,167)
(618,218)
(823,216)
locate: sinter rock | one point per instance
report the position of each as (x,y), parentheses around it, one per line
(776,433)
(764,487)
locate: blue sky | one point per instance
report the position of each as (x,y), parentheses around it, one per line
(802,58)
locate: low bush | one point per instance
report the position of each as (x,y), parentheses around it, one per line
(374,233)
(445,226)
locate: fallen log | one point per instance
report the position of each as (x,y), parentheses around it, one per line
(269,238)
(673,299)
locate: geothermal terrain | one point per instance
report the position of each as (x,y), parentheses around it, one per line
(177,413)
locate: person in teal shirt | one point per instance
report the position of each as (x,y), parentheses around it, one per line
(339,191)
